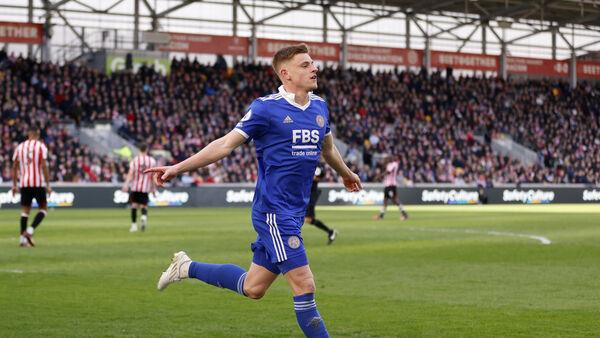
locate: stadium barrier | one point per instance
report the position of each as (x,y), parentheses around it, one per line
(240,195)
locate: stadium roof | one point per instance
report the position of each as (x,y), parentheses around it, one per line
(583,12)
(535,28)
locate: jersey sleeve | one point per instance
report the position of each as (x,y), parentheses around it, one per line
(255,123)
(44,152)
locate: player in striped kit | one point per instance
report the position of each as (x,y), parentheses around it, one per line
(141,185)
(29,164)
(390,191)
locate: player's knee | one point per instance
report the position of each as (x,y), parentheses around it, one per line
(306,286)
(254,291)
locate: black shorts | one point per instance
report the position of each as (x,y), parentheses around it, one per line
(138,197)
(28,194)
(390,192)
(310,211)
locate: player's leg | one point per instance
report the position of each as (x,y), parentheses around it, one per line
(262,272)
(302,283)
(331,233)
(403,214)
(25,239)
(258,280)
(252,284)
(43,210)
(385,203)
(134,207)
(310,219)
(291,260)
(144,217)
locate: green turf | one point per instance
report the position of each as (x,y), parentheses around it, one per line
(440,274)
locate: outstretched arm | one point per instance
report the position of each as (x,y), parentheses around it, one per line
(213,152)
(332,156)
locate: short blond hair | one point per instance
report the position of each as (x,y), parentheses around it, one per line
(287,53)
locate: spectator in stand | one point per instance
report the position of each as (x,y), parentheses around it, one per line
(441,127)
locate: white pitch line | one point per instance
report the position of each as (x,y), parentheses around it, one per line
(541,239)
(11,270)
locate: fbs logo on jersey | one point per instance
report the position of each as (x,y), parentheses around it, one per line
(305,136)
(288,119)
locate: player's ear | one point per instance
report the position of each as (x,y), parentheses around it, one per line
(283,73)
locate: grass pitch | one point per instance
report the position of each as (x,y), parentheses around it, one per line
(447,272)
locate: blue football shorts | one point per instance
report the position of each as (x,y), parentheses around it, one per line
(279,246)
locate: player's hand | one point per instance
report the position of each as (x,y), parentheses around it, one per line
(124,188)
(162,175)
(352,183)
(14,190)
(48,190)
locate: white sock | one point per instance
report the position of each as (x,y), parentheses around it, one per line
(144,219)
(30,230)
(22,239)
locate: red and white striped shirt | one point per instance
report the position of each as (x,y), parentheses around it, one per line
(30,155)
(141,182)
(391,174)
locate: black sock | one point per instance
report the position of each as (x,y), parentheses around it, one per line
(133,215)
(24,223)
(145,211)
(38,219)
(321,225)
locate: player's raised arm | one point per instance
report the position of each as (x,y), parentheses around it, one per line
(332,156)
(213,152)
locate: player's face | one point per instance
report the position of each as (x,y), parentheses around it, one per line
(303,72)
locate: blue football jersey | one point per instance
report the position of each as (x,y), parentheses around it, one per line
(288,139)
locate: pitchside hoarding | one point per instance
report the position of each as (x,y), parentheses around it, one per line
(241,195)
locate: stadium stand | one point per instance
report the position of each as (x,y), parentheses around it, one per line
(441,127)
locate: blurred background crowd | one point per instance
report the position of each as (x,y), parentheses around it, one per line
(440,127)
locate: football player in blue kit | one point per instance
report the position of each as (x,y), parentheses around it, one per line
(290,130)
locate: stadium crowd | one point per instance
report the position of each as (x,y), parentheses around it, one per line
(440,127)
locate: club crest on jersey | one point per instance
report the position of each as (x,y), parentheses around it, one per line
(288,119)
(294,242)
(320,121)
